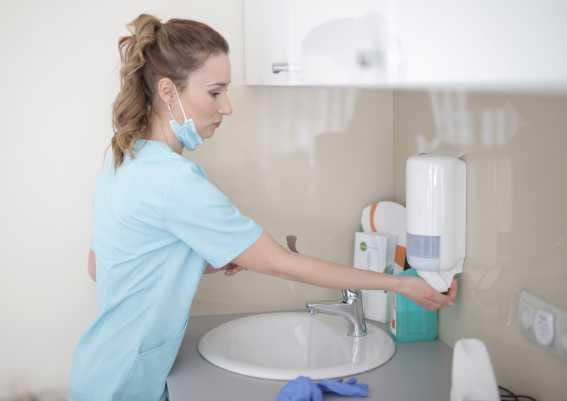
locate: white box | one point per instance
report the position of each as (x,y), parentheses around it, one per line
(375,305)
(374,252)
(370,251)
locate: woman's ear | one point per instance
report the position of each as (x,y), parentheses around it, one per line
(165,90)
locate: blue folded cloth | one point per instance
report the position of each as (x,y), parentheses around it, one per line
(304,389)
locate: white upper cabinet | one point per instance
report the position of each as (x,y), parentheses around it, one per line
(483,43)
(407,43)
(315,42)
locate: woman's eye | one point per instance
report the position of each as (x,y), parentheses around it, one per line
(215,94)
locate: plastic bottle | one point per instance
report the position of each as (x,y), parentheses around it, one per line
(410,322)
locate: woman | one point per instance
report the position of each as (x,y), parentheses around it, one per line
(159,223)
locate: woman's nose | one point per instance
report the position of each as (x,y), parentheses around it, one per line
(226,106)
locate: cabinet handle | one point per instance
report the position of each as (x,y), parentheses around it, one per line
(370,58)
(279,67)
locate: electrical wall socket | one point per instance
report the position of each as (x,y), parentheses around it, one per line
(542,323)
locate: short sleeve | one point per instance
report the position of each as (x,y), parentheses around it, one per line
(199,214)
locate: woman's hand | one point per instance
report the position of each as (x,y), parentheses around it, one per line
(417,289)
(232,268)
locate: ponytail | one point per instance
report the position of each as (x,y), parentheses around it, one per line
(131,110)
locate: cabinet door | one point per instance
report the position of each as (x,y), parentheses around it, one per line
(482,43)
(268,39)
(407,43)
(316,42)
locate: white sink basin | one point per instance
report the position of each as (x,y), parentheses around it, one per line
(285,345)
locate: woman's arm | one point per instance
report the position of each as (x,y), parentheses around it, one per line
(267,256)
(92,264)
(230,269)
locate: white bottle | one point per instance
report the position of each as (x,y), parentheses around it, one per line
(370,251)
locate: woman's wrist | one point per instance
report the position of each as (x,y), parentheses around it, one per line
(393,283)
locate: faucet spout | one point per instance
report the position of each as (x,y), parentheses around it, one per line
(350,309)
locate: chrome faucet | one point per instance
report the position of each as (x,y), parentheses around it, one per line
(350,307)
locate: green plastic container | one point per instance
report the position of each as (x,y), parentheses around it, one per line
(410,322)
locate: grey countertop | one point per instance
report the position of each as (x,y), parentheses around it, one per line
(417,371)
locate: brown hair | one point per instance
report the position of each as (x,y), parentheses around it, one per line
(153,51)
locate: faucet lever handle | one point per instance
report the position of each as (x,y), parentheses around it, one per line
(291,240)
(351,294)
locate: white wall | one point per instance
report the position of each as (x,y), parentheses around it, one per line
(59,75)
(295,151)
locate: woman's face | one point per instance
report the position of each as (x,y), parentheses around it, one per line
(205,98)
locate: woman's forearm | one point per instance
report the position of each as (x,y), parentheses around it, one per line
(319,272)
(268,257)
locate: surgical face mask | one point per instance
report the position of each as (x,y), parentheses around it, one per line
(186,133)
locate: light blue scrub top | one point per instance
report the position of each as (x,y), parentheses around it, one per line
(156,223)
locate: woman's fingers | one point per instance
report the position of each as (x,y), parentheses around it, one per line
(440,299)
(422,293)
(232,269)
(453,291)
(429,304)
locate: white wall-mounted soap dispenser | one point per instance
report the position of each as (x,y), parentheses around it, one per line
(436,217)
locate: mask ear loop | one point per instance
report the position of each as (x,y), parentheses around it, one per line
(180,105)
(173,118)
(170,111)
